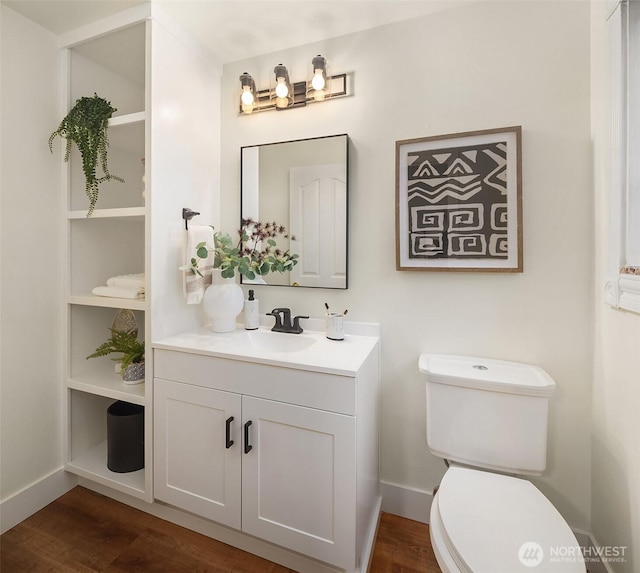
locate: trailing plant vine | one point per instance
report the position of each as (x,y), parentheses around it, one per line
(86,125)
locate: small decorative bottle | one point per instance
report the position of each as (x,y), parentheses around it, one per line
(251,312)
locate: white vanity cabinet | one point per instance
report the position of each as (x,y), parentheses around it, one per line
(198,463)
(283,454)
(299,479)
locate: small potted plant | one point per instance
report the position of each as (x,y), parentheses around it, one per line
(132,349)
(86,125)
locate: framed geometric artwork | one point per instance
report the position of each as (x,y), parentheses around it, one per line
(459,202)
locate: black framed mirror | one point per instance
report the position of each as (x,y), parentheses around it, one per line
(303,185)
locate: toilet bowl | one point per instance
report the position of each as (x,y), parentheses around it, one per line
(488,418)
(483,522)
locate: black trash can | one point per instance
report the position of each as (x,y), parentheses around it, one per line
(125,437)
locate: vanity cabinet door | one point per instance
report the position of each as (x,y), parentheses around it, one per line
(299,479)
(197,441)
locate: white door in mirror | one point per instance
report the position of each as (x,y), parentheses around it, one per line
(318,221)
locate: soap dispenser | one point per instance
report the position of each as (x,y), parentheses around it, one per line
(251,312)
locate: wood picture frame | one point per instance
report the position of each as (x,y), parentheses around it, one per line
(459,202)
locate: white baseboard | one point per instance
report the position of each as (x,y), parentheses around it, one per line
(34,497)
(586,539)
(406,502)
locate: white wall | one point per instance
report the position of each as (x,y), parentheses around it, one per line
(31,252)
(615,474)
(185,147)
(481,66)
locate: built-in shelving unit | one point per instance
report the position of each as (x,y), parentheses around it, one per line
(110,59)
(88,449)
(145,81)
(108,213)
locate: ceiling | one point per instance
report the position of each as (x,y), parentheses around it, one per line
(239,29)
(60,16)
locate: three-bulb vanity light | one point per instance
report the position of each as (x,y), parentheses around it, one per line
(283,94)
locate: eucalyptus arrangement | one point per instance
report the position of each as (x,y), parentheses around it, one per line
(255,253)
(86,125)
(124,342)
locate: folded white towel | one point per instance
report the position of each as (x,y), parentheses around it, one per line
(119,291)
(132,280)
(193,285)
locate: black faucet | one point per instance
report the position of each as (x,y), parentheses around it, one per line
(283,321)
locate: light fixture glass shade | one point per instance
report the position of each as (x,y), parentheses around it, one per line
(247,100)
(248,94)
(319,80)
(283,88)
(246,97)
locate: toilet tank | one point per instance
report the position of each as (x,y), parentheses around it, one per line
(487,413)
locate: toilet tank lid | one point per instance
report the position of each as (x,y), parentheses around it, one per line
(486,374)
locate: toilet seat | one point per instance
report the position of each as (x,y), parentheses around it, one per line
(481,520)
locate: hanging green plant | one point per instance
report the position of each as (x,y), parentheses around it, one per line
(86,125)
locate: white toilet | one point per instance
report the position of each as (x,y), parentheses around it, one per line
(485,417)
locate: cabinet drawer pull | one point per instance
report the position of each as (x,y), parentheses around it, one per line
(228,440)
(247,446)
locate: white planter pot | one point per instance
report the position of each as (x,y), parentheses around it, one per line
(222,303)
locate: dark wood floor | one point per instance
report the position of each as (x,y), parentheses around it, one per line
(86,532)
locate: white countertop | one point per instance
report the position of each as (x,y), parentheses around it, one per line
(344,357)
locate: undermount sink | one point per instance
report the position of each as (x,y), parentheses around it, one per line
(270,341)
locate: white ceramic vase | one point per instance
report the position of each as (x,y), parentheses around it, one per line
(222,303)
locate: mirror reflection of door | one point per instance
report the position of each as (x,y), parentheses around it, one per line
(317,220)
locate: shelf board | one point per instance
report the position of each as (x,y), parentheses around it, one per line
(107,302)
(128,119)
(108,213)
(92,464)
(99,377)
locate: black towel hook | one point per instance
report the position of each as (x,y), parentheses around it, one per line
(187,215)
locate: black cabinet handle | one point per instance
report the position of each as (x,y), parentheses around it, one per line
(247,446)
(228,440)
